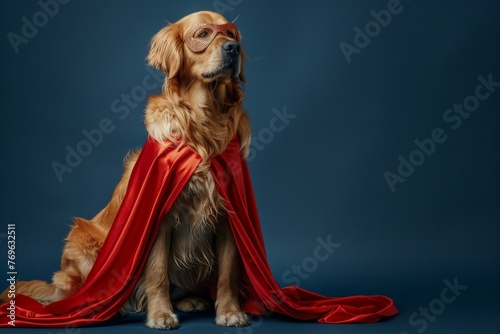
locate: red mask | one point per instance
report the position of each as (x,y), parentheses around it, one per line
(201,35)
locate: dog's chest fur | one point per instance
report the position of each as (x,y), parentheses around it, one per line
(194,219)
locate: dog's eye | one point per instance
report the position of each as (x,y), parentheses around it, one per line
(230,34)
(202,34)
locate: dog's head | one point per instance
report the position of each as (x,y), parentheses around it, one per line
(202,46)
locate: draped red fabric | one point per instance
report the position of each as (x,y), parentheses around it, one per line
(233,182)
(160,173)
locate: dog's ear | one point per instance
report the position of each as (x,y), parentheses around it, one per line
(242,75)
(165,51)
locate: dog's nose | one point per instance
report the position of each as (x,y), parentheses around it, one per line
(231,48)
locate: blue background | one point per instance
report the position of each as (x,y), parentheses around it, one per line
(322,176)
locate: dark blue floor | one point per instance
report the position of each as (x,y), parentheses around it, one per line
(421,311)
(452,321)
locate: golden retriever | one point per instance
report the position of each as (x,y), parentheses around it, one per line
(200,106)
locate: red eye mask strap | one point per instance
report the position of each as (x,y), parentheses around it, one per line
(198,44)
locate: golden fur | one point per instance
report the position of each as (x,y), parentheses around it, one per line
(200,106)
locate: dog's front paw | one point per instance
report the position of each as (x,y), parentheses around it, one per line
(162,321)
(232,319)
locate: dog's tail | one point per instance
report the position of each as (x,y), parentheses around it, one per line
(41,291)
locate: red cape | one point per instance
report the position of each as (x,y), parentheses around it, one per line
(159,175)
